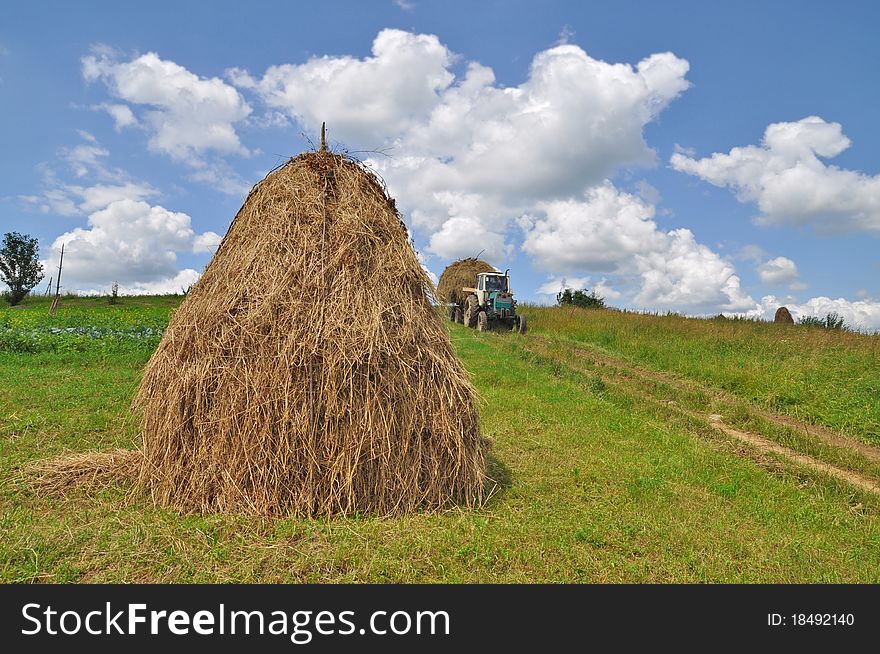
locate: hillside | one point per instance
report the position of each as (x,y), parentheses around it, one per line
(627,449)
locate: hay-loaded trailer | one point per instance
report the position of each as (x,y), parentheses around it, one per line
(488,305)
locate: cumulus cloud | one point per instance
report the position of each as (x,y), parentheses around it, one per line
(780,271)
(790,183)
(612,231)
(187,116)
(859,314)
(472,160)
(364,101)
(406,5)
(85,157)
(428,271)
(97,184)
(573,122)
(121,114)
(751,252)
(130,242)
(555,285)
(464,236)
(75,199)
(206,242)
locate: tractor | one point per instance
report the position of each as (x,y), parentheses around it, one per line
(490,305)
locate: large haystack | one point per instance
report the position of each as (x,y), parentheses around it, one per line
(307,373)
(783,315)
(460,274)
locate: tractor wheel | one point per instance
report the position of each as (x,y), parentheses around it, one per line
(482,322)
(521,324)
(450,313)
(471,309)
(459,316)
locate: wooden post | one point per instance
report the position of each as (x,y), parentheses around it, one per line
(323,137)
(60,262)
(49,288)
(54,307)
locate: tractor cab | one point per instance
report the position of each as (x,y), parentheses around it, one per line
(493,282)
(493,292)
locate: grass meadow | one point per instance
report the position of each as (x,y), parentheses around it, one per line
(606,467)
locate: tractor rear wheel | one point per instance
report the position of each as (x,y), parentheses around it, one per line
(521,324)
(471,308)
(482,322)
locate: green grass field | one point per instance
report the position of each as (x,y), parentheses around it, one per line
(608,468)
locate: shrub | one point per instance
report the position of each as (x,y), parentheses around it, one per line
(583,299)
(832,320)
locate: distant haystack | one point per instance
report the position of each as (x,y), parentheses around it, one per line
(307,373)
(783,315)
(460,274)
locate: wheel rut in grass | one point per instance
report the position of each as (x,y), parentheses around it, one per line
(766,445)
(628,377)
(819,432)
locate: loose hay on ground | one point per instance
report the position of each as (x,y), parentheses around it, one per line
(93,470)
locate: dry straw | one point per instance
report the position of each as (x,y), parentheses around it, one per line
(460,274)
(783,315)
(307,373)
(96,470)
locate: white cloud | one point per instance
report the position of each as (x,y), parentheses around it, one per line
(74,199)
(177,284)
(778,271)
(222,177)
(601,231)
(129,242)
(84,157)
(751,252)
(790,183)
(555,285)
(859,314)
(206,242)
(611,231)
(606,291)
(363,101)
(687,275)
(188,116)
(466,237)
(572,124)
(428,271)
(121,114)
(470,159)
(565,35)
(97,184)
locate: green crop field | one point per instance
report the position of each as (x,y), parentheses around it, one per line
(628,448)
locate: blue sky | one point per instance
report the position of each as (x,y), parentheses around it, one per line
(698,157)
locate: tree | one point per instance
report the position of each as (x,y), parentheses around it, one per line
(20,267)
(580,299)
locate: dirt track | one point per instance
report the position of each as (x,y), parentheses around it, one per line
(648,385)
